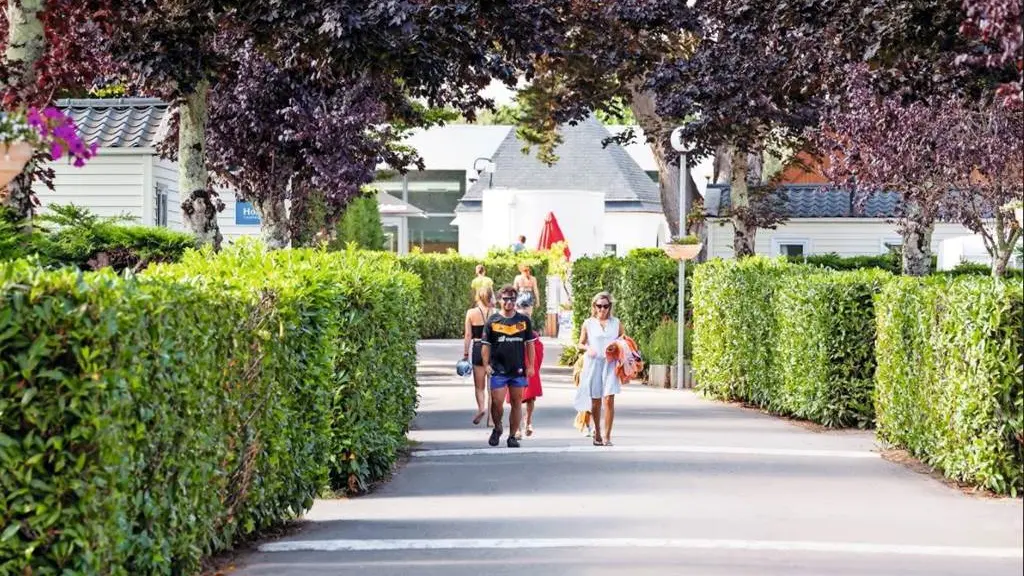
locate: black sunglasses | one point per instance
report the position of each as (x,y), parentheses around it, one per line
(507,299)
(603,306)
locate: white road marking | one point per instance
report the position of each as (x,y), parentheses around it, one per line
(676,449)
(677,543)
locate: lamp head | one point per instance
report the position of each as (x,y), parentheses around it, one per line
(678,144)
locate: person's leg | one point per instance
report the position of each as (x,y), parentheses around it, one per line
(595,416)
(479,381)
(498,389)
(516,415)
(609,418)
(529,415)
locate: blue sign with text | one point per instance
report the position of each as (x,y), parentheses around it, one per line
(245,214)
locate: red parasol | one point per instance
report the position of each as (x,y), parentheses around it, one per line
(551,234)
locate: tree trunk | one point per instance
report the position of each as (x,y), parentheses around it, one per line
(26,39)
(744,228)
(644,109)
(917,229)
(1005,235)
(273,221)
(26,42)
(199,204)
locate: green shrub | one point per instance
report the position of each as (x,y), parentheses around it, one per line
(975,269)
(73,236)
(361,225)
(825,347)
(949,380)
(446,289)
(647,294)
(891,262)
(146,422)
(734,328)
(589,276)
(661,347)
(645,285)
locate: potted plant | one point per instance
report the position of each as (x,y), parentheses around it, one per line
(683,247)
(48,130)
(660,355)
(17,142)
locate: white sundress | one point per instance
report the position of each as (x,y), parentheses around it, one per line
(598,378)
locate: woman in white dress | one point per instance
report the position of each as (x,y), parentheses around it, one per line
(598,382)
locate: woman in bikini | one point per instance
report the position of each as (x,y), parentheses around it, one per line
(476,318)
(526,285)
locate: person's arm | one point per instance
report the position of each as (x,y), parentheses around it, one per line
(467,336)
(531,352)
(583,337)
(485,346)
(621,329)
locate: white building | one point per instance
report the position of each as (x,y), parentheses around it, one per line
(603,200)
(820,220)
(126,177)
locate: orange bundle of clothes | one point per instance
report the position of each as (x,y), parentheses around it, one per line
(625,351)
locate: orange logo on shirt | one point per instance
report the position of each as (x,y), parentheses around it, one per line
(508,329)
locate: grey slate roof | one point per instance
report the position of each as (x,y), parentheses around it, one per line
(816,201)
(583,164)
(118,122)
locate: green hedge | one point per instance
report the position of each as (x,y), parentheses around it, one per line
(446,287)
(734,328)
(891,262)
(949,381)
(824,347)
(147,422)
(590,275)
(644,283)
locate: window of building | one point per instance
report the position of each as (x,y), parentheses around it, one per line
(160,206)
(792,247)
(891,245)
(611,250)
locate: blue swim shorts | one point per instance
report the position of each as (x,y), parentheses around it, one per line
(501,381)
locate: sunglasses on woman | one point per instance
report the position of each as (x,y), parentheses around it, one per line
(603,306)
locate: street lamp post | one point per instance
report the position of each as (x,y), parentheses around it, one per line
(684,149)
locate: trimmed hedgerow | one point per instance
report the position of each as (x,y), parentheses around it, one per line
(589,276)
(734,328)
(949,380)
(146,422)
(824,347)
(446,287)
(647,293)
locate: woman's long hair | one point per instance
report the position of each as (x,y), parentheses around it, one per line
(485,297)
(597,298)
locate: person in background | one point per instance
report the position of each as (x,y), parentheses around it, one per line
(520,245)
(599,383)
(476,318)
(526,286)
(508,354)
(481,281)
(534,389)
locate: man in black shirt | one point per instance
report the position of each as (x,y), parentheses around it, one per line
(507,353)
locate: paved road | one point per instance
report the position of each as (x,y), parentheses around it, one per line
(691,487)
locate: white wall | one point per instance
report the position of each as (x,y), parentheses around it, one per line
(110,184)
(471,240)
(508,213)
(629,230)
(844,236)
